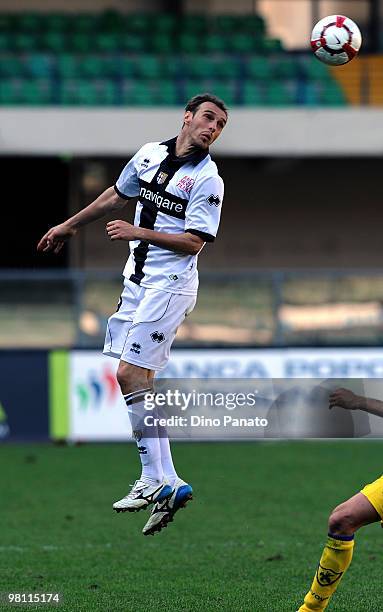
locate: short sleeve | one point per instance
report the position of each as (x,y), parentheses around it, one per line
(204,209)
(127,185)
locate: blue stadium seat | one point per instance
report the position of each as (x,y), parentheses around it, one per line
(26,92)
(252,94)
(68,65)
(88,93)
(12,65)
(138,93)
(39,65)
(279,93)
(258,68)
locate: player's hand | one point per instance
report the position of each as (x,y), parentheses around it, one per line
(55,238)
(343,398)
(121,230)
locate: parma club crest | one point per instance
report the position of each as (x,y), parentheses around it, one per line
(161,178)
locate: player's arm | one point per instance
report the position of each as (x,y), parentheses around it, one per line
(187,242)
(107,202)
(349,400)
(201,221)
(113,198)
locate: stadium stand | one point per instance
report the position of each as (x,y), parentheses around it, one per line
(110,59)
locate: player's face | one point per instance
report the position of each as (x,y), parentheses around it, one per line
(205,125)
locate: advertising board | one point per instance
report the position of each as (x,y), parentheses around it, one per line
(97,410)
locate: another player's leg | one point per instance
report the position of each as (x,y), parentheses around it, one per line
(151,486)
(344,521)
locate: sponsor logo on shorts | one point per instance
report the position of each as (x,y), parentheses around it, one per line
(142,450)
(327,576)
(213,200)
(173,277)
(157,337)
(186,184)
(135,348)
(145,163)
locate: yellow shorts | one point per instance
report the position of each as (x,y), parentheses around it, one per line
(374,494)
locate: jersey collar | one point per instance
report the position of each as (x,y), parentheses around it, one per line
(194,158)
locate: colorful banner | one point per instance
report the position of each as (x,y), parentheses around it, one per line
(97,408)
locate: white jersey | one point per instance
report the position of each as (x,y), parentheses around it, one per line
(175,195)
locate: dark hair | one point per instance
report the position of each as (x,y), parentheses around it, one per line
(196,102)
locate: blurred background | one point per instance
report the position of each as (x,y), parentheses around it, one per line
(298,260)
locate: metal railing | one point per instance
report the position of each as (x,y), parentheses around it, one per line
(235,308)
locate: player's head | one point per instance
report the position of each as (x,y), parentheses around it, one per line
(204,119)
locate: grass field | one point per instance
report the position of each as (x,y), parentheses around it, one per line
(249,540)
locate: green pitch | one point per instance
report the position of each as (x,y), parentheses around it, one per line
(249,541)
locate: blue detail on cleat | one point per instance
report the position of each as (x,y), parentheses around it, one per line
(163,511)
(182,494)
(166,491)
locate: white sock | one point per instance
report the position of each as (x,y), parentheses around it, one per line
(166,457)
(148,443)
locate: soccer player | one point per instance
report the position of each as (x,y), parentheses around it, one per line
(361,509)
(179,203)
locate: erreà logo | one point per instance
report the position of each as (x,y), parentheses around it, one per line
(213,200)
(163,204)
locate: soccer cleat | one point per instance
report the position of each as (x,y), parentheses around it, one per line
(141,495)
(164,511)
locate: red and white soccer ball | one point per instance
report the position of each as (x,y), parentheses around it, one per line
(336,40)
